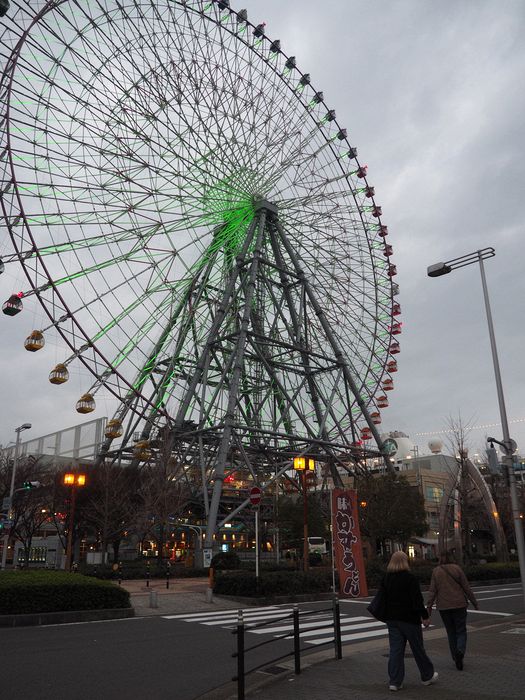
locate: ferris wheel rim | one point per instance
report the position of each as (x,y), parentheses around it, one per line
(72,316)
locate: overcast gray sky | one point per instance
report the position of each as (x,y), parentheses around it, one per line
(431,92)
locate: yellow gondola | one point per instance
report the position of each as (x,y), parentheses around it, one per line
(113,428)
(59,375)
(35,341)
(86,404)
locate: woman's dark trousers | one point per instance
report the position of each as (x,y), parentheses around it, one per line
(399,633)
(455,621)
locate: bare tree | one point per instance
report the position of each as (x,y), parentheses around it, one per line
(163,493)
(111,503)
(29,507)
(468,497)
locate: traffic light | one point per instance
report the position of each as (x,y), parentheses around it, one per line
(4,6)
(27,485)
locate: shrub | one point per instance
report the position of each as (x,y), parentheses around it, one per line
(56,591)
(495,570)
(134,570)
(225,561)
(273,583)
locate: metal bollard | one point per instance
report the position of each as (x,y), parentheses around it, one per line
(168,569)
(119,573)
(147,574)
(240,656)
(337,629)
(296,640)
(153,601)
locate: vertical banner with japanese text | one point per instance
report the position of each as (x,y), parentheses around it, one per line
(348,550)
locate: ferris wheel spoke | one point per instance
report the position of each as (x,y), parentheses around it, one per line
(143,140)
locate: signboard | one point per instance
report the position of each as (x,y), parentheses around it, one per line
(255,496)
(207,556)
(348,550)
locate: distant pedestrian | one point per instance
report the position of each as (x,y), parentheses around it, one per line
(405,612)
(450,589)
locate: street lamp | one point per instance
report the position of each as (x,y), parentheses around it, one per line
(72,480)
(24,426)
(508,445)
(304,465)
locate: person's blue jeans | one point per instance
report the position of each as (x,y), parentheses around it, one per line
(399,633)
(455,621)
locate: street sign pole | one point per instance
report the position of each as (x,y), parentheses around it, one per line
(256,508)
(255,499)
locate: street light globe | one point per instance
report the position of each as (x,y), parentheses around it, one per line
(435,445)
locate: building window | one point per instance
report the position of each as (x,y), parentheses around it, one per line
(434,493)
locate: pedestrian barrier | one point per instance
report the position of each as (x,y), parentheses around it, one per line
(295,635)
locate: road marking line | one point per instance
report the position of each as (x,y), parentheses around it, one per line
(255,618)
(349,637)
(494,590)
(229,613)
(345,628)
(323,623)
(488,612)
(498,597)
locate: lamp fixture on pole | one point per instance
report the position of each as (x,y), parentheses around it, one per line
(73,480)
(24,426)
(508,445)
(304,465)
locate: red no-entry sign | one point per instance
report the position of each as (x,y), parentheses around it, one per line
(255,496)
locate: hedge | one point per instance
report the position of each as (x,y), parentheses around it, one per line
(272,583)
(23,592)
(376,569)
(135,570)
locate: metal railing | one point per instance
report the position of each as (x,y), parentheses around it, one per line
(294,635)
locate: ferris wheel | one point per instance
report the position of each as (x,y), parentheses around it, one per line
(151,151)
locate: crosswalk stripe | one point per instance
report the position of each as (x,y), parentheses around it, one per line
(489,612)
(493,590)
(317,627)
(350,637)
(321,623)
(497,597)
(217,613)
(346,628)
(247,618)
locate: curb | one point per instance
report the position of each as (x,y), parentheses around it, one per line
(65,617)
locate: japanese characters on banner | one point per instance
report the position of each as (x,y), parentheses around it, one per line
(348,550)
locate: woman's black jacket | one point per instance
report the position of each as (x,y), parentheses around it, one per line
(404,601)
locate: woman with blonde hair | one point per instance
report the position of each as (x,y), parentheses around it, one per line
(405,611)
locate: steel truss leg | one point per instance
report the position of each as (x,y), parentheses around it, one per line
(340,358)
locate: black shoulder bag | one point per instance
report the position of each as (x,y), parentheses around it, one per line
(377,606)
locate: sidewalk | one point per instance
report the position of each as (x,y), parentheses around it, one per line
(494,664)
(494,669)
(185,595)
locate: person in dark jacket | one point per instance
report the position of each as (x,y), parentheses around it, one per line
(450,589)
(405,612)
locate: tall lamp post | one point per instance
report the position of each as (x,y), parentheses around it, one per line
(508,445)
(304,465)
(72,480)
(24,426)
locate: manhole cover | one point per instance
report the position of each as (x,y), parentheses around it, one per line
(274,670)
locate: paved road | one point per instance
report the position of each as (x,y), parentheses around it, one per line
(178,656)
